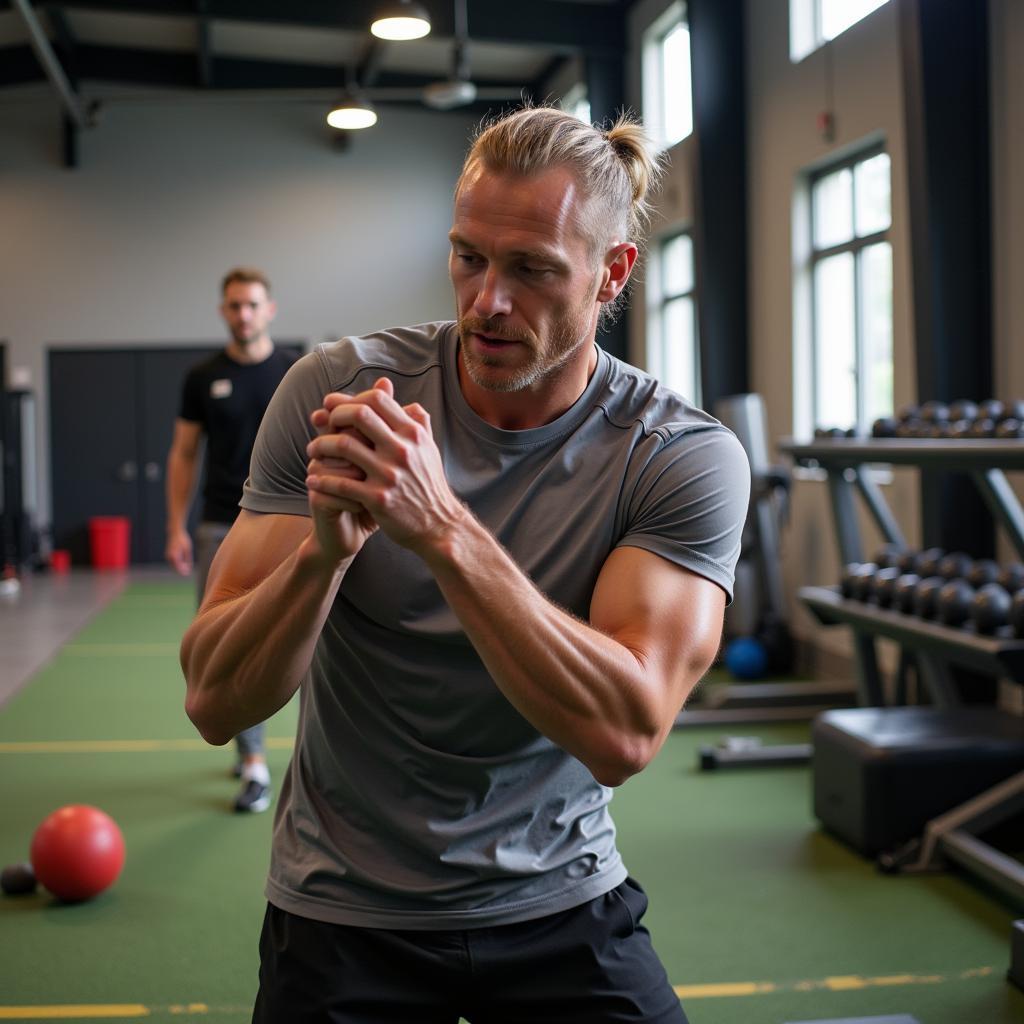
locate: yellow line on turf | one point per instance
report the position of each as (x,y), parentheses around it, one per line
(121,746)
(836,983)
(736,988)
(71,1012)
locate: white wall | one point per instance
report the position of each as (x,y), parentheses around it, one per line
(129,248)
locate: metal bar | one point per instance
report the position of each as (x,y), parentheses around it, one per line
(844,513)
(988,863)
(962,454)
(756,756)
(980,812)
(879,508)
(871,691)
(51,65)
(938,679)
(1003,503)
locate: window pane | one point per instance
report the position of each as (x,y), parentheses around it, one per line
(872,194)
(838,15)
(675,68)
(834,345)
(677,265)
(876,317)
(679,355)
(833,209)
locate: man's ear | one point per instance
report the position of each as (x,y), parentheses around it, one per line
(618,265)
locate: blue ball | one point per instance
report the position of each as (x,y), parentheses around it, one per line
(746,658)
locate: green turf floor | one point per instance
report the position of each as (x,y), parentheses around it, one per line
(758,916)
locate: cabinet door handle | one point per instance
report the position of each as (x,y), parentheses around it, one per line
(152,472)
(127,472)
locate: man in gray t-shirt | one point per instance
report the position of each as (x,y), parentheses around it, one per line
(495,560)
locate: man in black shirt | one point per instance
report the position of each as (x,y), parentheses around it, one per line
(224,398)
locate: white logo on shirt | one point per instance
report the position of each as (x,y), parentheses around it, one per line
(220,389)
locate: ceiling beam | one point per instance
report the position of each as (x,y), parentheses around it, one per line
(204,52)
(51,65)
(561,25)
(178,70)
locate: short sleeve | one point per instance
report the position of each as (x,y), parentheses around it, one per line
(277,472)
(191,408)
(690,504)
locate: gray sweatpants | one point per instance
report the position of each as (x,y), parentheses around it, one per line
(208,538)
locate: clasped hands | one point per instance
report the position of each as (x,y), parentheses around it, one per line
(374,464)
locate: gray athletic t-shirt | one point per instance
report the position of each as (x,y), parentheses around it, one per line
(417,797)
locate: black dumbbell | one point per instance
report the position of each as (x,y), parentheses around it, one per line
(982,571)
(990,609)
(1017,614)
(981,428)
(1009,429)
(991,409)
(884,426)
(928,562)
(934,412)
(1014,410)
(1011,577)
(954,602)
(846,578)
(964,409)
(888,555)
(883,585)
(864,581)
(956,565)
(903,592)
(960,428)
(926,595)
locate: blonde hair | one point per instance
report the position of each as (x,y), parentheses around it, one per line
(616,167)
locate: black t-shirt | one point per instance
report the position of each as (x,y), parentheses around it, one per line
(229,399)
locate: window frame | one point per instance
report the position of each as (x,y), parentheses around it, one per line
(662,296)
(855,246)
(653,86)
(806,31)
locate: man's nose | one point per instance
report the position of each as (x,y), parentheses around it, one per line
(493,297)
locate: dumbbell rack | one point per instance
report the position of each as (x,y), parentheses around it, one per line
(934,646)
(846,463)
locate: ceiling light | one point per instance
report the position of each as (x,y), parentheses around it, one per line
(404,19)
(352,112)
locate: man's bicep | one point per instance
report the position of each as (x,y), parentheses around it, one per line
(255,546)
(669,617)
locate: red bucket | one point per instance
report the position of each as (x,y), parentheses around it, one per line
(110,542)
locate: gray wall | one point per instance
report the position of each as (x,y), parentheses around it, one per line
(129,248)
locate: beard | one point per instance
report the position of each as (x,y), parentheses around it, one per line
(492,371)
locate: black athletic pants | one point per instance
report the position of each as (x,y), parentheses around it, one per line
(593,964)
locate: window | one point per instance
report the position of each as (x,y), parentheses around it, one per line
(850,278)
(668,100)
(814,22)
(672,353)
(577,103)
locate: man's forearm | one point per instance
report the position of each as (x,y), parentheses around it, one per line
(245,655)
(181,473)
